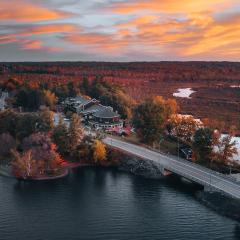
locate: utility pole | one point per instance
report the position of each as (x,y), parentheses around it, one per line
(178,142)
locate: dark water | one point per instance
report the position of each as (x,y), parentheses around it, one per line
(106,204)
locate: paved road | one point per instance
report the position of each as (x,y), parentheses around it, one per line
(189,170)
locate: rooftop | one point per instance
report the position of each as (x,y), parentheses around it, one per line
(106,113)
(94,108)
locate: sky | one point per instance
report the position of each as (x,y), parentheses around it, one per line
(119,30)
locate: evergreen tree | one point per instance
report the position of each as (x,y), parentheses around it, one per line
(203,143)
(85,86)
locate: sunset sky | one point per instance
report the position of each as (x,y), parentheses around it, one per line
(119,30)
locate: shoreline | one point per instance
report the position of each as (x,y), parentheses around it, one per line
(218,202)
(5,171)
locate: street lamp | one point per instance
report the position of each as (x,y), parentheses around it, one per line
(178,142)
(230,168)
(210,182)
(160,141)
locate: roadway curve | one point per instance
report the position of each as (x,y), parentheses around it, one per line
(189,170)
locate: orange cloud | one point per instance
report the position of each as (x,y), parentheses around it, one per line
(22,36)
(94,42)
(47,29)
(193,36)
(184,29)
(31,44)
(37,45)
(23,11)
(217,37)
(197,34)
(6,39)
(172,6)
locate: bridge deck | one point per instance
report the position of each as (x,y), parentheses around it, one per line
(189,170)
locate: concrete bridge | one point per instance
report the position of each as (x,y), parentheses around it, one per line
(191,171)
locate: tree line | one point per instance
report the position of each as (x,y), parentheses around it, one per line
(34,146)
(157,118)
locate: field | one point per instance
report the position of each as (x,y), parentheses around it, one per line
(215,97)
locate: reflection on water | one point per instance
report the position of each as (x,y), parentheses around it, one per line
(106,204)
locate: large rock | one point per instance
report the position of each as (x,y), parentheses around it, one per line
(141,167)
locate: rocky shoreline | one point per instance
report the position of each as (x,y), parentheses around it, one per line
(140,167)
(216,201)
(220,203)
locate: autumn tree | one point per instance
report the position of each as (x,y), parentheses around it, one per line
(151,117)
(99,151)
(49,99)
(46,121)
(24,165)
(75,134)
(44,151)
(183,127)
(12,84)
(112,95)
(225,149)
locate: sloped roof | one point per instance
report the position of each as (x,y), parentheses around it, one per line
(106,113)
(94,108)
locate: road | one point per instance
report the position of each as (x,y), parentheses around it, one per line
(189,170)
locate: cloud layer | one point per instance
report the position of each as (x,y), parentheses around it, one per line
(120,30)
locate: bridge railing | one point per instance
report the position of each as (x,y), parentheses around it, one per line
(227,177)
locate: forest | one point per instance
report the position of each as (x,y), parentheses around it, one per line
(212,82)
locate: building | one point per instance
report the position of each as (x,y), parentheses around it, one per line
(106,118)
(79,104)
(94,113)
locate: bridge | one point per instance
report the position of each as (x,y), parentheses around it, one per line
(189,170)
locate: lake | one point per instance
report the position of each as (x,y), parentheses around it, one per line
(103,204)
